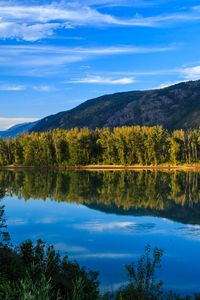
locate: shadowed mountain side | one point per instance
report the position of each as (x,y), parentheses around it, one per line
(174,107)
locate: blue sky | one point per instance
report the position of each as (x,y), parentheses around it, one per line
(57,54)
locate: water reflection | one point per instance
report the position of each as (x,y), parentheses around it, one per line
(173,195)
(105,219)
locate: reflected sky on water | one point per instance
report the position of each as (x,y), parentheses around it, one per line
(112,225)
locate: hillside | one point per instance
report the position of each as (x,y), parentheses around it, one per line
(17,129)
(177,106)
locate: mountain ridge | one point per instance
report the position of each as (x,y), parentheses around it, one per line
(17,129)
(174,107)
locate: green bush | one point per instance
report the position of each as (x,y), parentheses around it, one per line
(38,273)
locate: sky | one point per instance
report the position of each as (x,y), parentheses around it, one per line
(55,55)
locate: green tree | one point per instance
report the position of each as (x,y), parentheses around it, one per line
(142,281)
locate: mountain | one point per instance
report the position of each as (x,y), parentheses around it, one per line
(177,106)
(17,129)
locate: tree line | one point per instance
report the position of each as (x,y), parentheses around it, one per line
(132,145)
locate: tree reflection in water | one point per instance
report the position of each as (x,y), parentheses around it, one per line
(171,194)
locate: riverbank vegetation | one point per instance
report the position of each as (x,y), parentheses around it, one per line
(37,272)
(134,145)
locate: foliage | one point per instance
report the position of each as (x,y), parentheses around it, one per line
(142,283)
(120,146)
(38,273)
(40,289)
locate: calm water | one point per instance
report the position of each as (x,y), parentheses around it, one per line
(104,219)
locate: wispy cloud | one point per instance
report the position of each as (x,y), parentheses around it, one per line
(100,226)
(191,232)
(20,87)
(16,222)
(191,73)
(5,123)
(51,56)
(104,80)
(126,3)
(121,3)
(167,84)
(43,88)
(103,255)
(69,248)
(27,32)
(12,88)
(34,22)
(121,226)
(153,72)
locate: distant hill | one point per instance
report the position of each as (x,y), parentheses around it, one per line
(17,129)
(177,106)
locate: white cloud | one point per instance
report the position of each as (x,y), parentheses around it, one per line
(191,73)
(122,50)
(167,84)
(190,232)
(69,13)
(43,88)
(46,220)
(85,67)
(126,3)
(34,22)
(99,227)
(69,248)
(18,88)
(104,80)
(81,50)
(16,222)
(51,56)
(158,72)
(110,3)
(12,88)
(102,255)
(6,123)
(27,32)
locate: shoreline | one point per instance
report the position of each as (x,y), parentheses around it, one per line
(183,167)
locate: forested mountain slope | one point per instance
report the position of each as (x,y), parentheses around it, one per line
(177,106)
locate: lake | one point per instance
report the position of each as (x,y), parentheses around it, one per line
(104,219)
